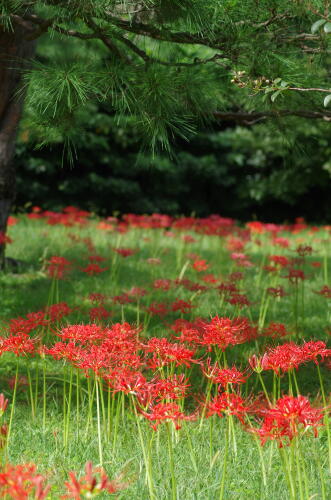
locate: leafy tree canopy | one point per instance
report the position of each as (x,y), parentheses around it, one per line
(168,65)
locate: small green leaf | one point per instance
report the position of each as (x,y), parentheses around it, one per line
(327,28)
(327,99)
(275,95)
(283,83)
(277,80)
(317,24)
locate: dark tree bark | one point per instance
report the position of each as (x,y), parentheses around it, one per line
(15,49)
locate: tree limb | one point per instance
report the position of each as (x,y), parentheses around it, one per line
(249,118)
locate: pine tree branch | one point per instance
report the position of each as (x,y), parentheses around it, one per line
(148,59)
(249,118)
(164,34)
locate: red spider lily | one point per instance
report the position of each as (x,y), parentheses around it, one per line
(304,250)
(279,260)
(98,298)
(122,299)
(162,284)
(239,299)
(58,311)
(124,379)
(3,404)
(325,292)
(281,242)
(276,330)
(187,238)
(99,313)
(312,349)
(96,258)
(191,331)
(276,291)
(89,244)
(200,265)
(125,252)
(165,352)
(190,285)
(62,350)
(258,364)
(20,344)
(316,264)
(137,292)
(158,308)
(5,239)
(270,269)
(256,227)
(228,288)
(290,417)
(58,267)
(223,376)
(223,332)
(83,334)
(209,278)
(20,381)
(234,244)
(94,482)
(12,221)
(26,325)
(182,306)
(162,412)
(289,356)
(227,404)
(21,482)
(93,269)
(218,332)
(236,276)
(283,358)
(174,387)
(295,275)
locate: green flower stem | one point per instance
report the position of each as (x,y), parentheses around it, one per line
(98,421)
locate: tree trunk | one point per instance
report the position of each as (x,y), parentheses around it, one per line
(15,49)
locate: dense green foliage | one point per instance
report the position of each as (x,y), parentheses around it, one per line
(171,65)
(238,172)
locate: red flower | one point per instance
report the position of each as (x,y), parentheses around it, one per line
(279,260)
(5,239)
(277,291)
(295,275)
(158,308)
(182,306)
(304,250)
(223,376)
(94,481)
(125,252)
(21,482)
(93,269)
(200,265)
(227,404)
(161,412)
(162,284)
(290,417)
(165,352)
(99,313)
(58,267)
(58,311)
(276,330)
(325,292)
(3,404)
(20,344)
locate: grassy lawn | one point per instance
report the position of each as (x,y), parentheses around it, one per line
(146,358)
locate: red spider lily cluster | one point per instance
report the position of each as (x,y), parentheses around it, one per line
(22,482)
(191,341)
